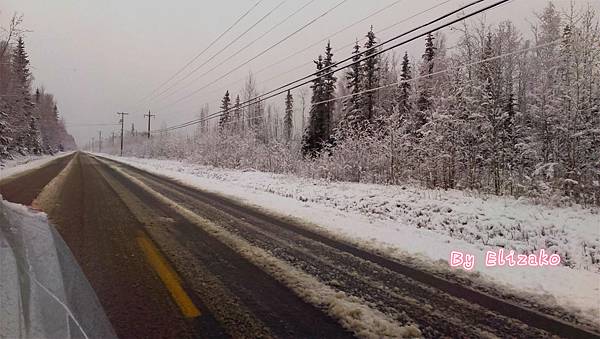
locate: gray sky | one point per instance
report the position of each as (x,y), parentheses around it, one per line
(101,57)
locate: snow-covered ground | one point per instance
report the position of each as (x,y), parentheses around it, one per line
(426,225)
(24,163)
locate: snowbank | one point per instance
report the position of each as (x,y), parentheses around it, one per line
(24,163)
(428,225)
(43,293)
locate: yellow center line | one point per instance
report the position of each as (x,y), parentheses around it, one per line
(168,276)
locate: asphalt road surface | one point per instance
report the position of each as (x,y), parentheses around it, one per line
(170,261)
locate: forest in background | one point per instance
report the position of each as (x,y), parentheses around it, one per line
(501,112)
(29,121)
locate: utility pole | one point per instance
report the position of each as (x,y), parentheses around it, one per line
(149,115)
(99,141)
(112,140)
(122,121)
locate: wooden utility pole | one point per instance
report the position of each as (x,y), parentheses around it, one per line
(99,141)
(122,121)
(149,115)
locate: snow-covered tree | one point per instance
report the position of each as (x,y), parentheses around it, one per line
(404,104)
(288,119)
(370,72)
(353,107)
(319,128)
(27,134)
(225,119)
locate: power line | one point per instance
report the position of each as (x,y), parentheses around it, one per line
(332,35)
(399,82)
(219,52)
(236,53)
(363,52)
(374,48)
(266,95)
(347,45)
(319,73)
(89,125)
(314,44)
(340,48)
(202,52)
(264,51)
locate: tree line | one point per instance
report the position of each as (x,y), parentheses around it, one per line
(29,120)
(501,111)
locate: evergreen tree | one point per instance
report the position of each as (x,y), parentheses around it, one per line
(28,137)
(404,105)
(225,106)
(313,137)
(288,118)
(424,102)
(370,71)
(328,91)
(353,82)
(318,132)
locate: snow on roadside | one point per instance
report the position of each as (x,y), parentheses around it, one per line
(24,163)
(352,313)
(428,225)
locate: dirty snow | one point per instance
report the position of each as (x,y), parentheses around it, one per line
(352,312)
(428,225)
(24,163)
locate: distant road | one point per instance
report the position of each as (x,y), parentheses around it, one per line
(167,260)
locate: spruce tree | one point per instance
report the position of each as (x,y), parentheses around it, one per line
(329,81)
(405,86)
(424,100)
(370,72)
(353,83)
(312,140)
(28,137)
(225,106)
(288,118)
(319,131)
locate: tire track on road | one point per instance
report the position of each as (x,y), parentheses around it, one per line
(274,304)
(233,216)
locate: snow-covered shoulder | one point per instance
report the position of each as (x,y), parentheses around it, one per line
(24,163)
(428,225)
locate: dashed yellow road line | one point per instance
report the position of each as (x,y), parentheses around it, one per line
(168,276)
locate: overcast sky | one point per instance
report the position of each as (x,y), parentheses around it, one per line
(102,57)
